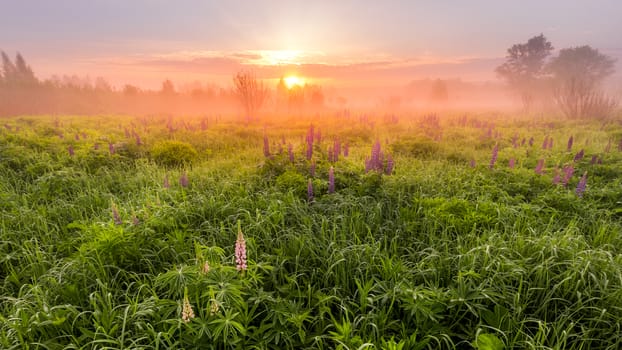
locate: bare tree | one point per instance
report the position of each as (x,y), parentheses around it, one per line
(250,92)
(524,67)
(577,75)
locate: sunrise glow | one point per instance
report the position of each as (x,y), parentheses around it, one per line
(293,81)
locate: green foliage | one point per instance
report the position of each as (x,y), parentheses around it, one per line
(173,153)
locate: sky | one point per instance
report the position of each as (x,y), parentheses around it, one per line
(342,42)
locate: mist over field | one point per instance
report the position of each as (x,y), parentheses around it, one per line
(310,175)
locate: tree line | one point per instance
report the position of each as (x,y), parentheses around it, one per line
(572,79)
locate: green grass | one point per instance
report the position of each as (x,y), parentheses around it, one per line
(436,255)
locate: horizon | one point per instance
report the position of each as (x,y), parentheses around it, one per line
(327,44)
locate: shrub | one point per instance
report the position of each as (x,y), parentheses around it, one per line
(173,153)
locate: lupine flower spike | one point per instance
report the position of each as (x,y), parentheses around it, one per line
(187,313)
(493,159)
(581,185)
(240,251)
(115,215)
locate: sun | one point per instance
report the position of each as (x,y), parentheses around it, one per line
(293,81)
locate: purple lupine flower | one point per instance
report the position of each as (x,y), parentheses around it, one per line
(138,141)
(390,165)
(346,149)
(545,143)
(331,180)
(570,141)
(111,148)
(312,169)
(556,177)
(594,160)
(581,185)
(540,167)
(472,163)
(166,184)
(310,190)
(336,150)
(310,143)
(375,161)
(266,147)
(493,159)
(70,150)
(531,141)
(511,163)
(183,180)
(240,251)
(115,215)
(290,151)
(568,172)
(579,155)
(77,137)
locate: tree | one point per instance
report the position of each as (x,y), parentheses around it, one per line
(168,89)
(577,74)
(18,73)
(250,92)
(438,91)
(524,67)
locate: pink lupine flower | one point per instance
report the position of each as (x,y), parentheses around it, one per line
(240,251)
(493,159)
(568,172)
(511,163)
(540,167)
(472,163)
(556,177)
(581,185)
(570,141)
(183,180)
(187,313)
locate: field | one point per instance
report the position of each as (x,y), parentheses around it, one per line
(214,233)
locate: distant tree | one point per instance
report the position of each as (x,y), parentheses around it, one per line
(18,73)
(168,89)
(577,74)
(8,68)
(130,90)
(524,67)
(250,92)
(439,92)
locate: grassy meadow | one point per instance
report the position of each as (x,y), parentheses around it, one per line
(398,232)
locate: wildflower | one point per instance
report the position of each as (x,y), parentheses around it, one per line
(310,190)
(531,141)
(266,146)
(493,159)
(570,141)
(70,150)
(290,151)
(556,177)
(539,167)
(336,150)
(115,215)
(581,185)
(545,143)
(594,159)
(96,146)
(579,155)
(240,251)
(376,160)
(568,172)
(183,180)
(111,148)
(187,313)
(138,141)
(472,163)
(77,137)
(331,180)
(511,163)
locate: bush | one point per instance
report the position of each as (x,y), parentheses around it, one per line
(173,153)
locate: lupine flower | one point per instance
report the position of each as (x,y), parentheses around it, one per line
(540,167)
(331,180)
(187,313)
(183,180)
(205,267)
(581,185)
(531,141)
(594,159)
(390,165)
(570,141)
(240,251)
(545,143)
(111,148)
(568,172)
(472,163)
(312,169)
(511,163)
(522,143)
(96,146)
(579,156)
(70,150)
(138,141)
(310,190)
(556,177)
(115,215)
(166,184)
(266,146)
(493,159)
(290,151)
(77,137)
(336,150)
